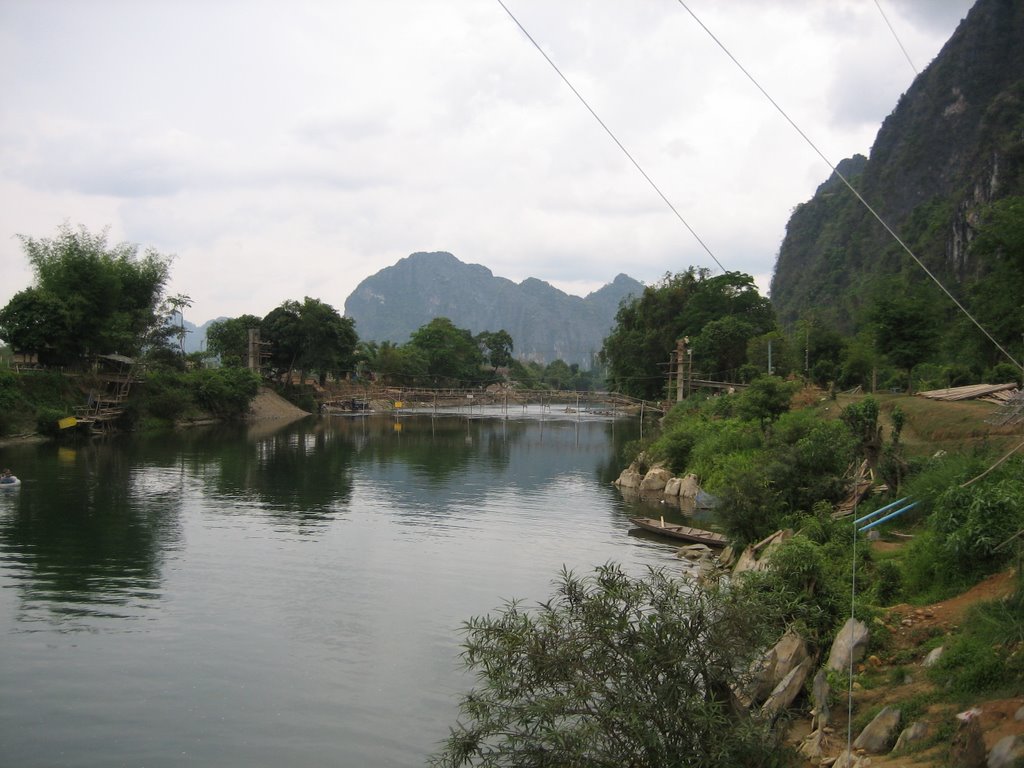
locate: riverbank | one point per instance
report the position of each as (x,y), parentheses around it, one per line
(269,405)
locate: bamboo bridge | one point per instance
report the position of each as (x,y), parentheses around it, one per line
(426,399)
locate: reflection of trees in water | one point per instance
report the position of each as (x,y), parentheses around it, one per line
(93,523)
(519,453)
(299,472)
(433,449)
(623,436)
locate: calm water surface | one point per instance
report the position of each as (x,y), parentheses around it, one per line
(277,594)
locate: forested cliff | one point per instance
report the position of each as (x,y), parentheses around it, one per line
(953,145)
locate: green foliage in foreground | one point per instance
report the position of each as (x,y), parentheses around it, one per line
(614,671)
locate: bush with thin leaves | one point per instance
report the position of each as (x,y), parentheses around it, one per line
(614,671)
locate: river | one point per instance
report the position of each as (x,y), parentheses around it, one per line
(283,594)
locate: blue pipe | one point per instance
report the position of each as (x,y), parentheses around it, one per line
(890,516)
(880,510)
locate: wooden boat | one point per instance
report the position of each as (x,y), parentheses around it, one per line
(683,532)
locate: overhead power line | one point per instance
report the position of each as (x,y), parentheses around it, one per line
(848,185)
(898,41)
(613,137)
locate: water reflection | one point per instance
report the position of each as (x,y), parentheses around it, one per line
(282,594)
(87,535)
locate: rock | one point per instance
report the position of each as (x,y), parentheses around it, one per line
(777,662)
(689,487)
(848,646)
(655,479)
(968,747)
(820,691)
(757,557)
(672,486)
(880,733)
(786,691)
(630,477)
(848,760)
(1019,715)
(815,745)
(913,733)
(694,551)
(1007,751)
(933,657)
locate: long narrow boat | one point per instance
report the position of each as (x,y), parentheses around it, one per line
(683,532)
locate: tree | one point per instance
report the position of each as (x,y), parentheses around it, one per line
(613,671)
(686,304)
(907,328)
(178,303)
(721,347)
(765,399)
(497,348)
(229,339)
(89,298)
(328,339)
(310,336)
(452,355)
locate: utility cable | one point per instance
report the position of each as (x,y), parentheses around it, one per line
(613,137)
(849,186)
(897,37)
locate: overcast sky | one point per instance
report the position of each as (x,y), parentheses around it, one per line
(281,150)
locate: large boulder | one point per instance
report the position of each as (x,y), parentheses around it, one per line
(672,486)
(915,732)
(880,733)
(757,557)
(631,477)
(778,661)
(849,645)
(787,690)
(656,478)
(968,747)
(689,487)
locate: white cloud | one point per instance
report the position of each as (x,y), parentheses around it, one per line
(282,150)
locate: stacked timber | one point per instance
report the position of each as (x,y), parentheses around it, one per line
(970,392)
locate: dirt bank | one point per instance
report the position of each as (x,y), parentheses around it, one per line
(270,405)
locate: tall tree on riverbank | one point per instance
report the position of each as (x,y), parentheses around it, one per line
(311,336)
(89,298)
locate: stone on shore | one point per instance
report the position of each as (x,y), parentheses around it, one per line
(849,645)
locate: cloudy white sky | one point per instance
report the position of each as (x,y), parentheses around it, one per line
(281,150)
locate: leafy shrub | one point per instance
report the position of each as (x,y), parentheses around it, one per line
(972,522)
(168,404)
(748,507)
(674,448)
(46,420)
(888,582)
(226,392)
(615,671)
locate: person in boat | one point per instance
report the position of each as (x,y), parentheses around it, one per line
(7,477)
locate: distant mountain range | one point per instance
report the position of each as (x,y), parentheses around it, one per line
(545,323)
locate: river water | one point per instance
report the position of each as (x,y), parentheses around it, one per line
(283,594)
